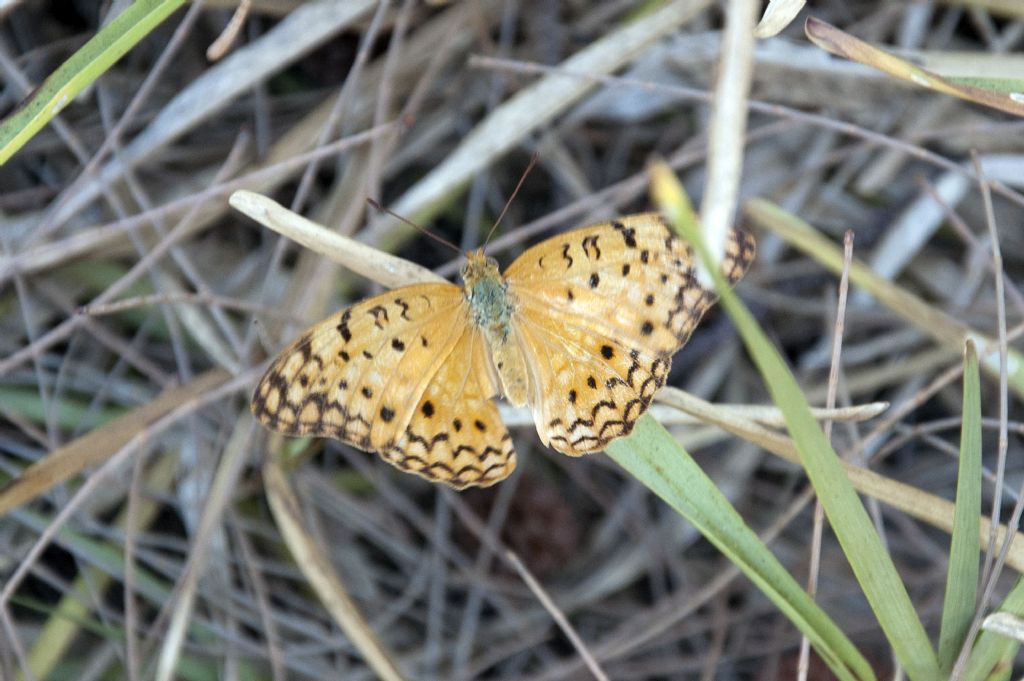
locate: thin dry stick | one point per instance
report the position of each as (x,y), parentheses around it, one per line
(961,228)
(987,576)
(29,324)
(113,137)
(89,488)
(761,107)
(15,645)
(719,626)
(65,328)
(920,397)
(341,104)
(924,432)
(991,576)
(557,615)
(830,403)
(229,35)
(187,268)
(644,627)
(58,252)
(217,497)
(204,299)
(471,611)
(325,581)
(131,612)
(437,591)
(616,193)
(381,150)
(491,540)
(262,598)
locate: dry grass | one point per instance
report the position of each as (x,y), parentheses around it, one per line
(162,528)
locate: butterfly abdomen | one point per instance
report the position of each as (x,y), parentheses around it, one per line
(493,309)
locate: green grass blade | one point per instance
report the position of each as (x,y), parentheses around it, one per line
(962,577)
(657,460)
(83,67)
(854,529)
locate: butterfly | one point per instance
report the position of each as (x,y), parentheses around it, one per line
(581,327)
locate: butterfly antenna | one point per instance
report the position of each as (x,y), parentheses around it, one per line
(412,224)
(522,178)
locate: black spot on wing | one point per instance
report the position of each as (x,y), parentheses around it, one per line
(346,334)
(628,234)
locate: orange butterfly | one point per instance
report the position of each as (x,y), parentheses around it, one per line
(582,327)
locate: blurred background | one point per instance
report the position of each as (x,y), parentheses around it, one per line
(137,311)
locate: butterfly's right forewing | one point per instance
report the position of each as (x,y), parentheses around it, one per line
(384,375)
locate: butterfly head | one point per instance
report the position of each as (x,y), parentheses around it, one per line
(478,268)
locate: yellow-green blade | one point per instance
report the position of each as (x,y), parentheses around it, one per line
(853,527)
(962,575)
(657,460)
(83,67)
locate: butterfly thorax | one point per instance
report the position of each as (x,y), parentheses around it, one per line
(492,308)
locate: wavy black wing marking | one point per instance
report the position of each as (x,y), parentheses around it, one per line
(589,388)
(456,434)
